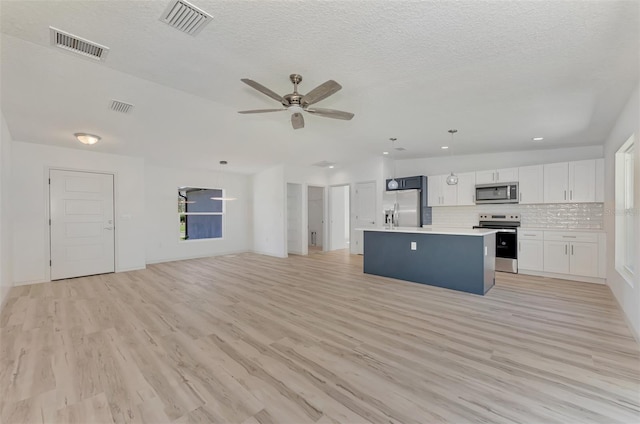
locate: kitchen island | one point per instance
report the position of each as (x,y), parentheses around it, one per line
(453,258)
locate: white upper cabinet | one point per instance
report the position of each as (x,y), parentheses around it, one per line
(466,189)
(433,190)
(440,193)
(573,182)
(507,175)
(582,181)
(599,180)
(531,184)
(556,182)
(504,175)
(486,177)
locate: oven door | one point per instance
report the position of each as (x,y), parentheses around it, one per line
(507,251)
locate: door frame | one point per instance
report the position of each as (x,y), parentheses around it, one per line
(348,222)
(47,214)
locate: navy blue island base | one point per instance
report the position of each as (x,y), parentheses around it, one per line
(464,262)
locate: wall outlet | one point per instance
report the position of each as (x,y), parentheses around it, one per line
(414,245)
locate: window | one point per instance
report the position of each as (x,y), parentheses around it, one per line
(200,212)
(625,216)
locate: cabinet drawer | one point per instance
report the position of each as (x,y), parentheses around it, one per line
(530,234)
(571,236)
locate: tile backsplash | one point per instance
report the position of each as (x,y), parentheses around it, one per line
(560,215)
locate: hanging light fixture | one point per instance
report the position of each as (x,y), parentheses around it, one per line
(393,184)
(453,178)
(223,198)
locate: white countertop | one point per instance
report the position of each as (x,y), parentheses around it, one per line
(435,230)
(581,230)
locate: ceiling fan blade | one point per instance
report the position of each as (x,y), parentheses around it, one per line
(261,110)
(331,113)
(261,88)
(297,121)
(321,92)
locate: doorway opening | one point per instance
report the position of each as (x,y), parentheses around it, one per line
(294,219)
(315,219)
(339,212)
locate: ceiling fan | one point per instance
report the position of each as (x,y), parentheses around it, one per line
(297,103)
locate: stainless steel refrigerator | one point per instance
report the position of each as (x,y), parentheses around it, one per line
(408,202)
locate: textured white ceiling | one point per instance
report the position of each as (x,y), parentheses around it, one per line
(499,72)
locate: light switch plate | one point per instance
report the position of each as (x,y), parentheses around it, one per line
(414,245)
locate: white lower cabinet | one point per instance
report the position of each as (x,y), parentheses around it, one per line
(573,255)
(530,250)
(572,252)
(583,259)
(556,257)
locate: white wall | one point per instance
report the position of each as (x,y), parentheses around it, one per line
(269,203)
(6,273)
(446,164)
(370,170)
(30,164)
(161,214)
(628,296)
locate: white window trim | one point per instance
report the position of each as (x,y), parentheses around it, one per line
(622,211)
(223,213)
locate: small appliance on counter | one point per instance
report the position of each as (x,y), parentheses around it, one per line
(497,193)
(506,239)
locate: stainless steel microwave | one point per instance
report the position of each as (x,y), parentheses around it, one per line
(497,193)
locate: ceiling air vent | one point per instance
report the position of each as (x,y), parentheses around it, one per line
(75,44)
(118,106)
(185,17)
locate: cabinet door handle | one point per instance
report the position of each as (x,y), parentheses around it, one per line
(565,195)
(497,176)
(520,246)
(520,195)
(493,176)
(568,236)
(572,250)
(570,194)
(565,249)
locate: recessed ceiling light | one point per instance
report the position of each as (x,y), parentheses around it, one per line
(331,166)
(87,138)
(385,153)
(537,138)
(444,147)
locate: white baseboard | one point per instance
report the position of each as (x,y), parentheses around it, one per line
(137,268)
(594,280)
(268,254)
(28,283)
(159,261)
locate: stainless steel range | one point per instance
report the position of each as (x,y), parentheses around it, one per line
(506,239)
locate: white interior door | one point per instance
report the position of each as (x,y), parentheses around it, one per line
(339,210)
(365,212)
(82,229)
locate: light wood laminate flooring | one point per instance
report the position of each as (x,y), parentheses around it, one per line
(254,339)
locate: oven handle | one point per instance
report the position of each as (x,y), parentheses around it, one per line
(500,230)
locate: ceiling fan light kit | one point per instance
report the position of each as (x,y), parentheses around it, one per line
(297,103)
